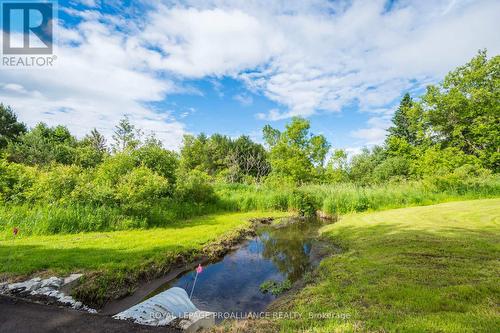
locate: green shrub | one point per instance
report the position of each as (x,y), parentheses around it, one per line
(56,184)
(161,161)
(304,203)
(194,186)
(16,182)
(139,189)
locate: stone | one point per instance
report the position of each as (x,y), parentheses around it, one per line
(48,287)
(53,282)
(70,279)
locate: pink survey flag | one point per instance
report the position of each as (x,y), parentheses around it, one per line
(199,269)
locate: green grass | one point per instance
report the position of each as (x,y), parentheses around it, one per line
(108,250)
(337,199)
(49,219)
(42,218)
(421,269)
(115,262)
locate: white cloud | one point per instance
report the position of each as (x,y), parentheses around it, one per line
(322,56)
(272,115)
(208,42)
(314,56)
(92,85)
(375,133)
(243,99)
(89,3)
(371,136)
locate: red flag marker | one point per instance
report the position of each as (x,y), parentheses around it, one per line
(199,269)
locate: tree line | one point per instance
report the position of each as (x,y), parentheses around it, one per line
(453,130)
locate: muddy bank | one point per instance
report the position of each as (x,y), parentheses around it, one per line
(281,256)
(115,291)
(210,253)
(282,304)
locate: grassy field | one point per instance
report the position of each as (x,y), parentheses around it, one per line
(116,259)
(339,199)
(107,250)
(68,216)
(420,269)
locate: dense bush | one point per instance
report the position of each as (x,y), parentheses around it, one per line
(140,189)
(194,186)
(443,146)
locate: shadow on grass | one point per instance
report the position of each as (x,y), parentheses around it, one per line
(26,259)
(392,278)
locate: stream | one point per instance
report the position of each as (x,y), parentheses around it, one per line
(233,283)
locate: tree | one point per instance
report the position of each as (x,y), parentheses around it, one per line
(96,140)
(464,111)
(193,152)
(92,149)
(295,153)
(363,165)
(10,128)
(408,122)
(247,158)
(156,158)
(43,145)
(401,121)
(337,167)
(126,136)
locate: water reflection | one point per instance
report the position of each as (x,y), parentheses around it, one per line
(232,284)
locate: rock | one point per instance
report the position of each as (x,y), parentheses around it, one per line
(53,282)
(49,288)
(16,287)
(66,300)
(262,220)
(70,279)
(33,286)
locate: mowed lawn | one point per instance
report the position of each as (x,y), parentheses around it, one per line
(421,269)
(115,250)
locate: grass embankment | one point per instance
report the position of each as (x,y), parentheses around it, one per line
(44,218)
(118,260)
(420,269)
(339,199)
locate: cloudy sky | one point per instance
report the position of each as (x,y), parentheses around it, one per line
(231,67)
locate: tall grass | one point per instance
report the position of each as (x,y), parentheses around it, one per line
(42,219)
(347,198)
(331,199)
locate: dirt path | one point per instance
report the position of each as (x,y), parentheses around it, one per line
(20,316)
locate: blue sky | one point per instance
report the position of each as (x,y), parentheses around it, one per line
(177,67)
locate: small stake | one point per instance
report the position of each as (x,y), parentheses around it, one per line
(199,269)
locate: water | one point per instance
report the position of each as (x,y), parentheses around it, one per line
(232,284)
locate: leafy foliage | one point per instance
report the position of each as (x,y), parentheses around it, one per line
(464,110)
(295,153)
(44,145)
(10,128)
(442,145)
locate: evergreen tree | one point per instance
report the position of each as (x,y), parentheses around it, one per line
(402,123)
(10,128)
(96,140)
(126,136)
